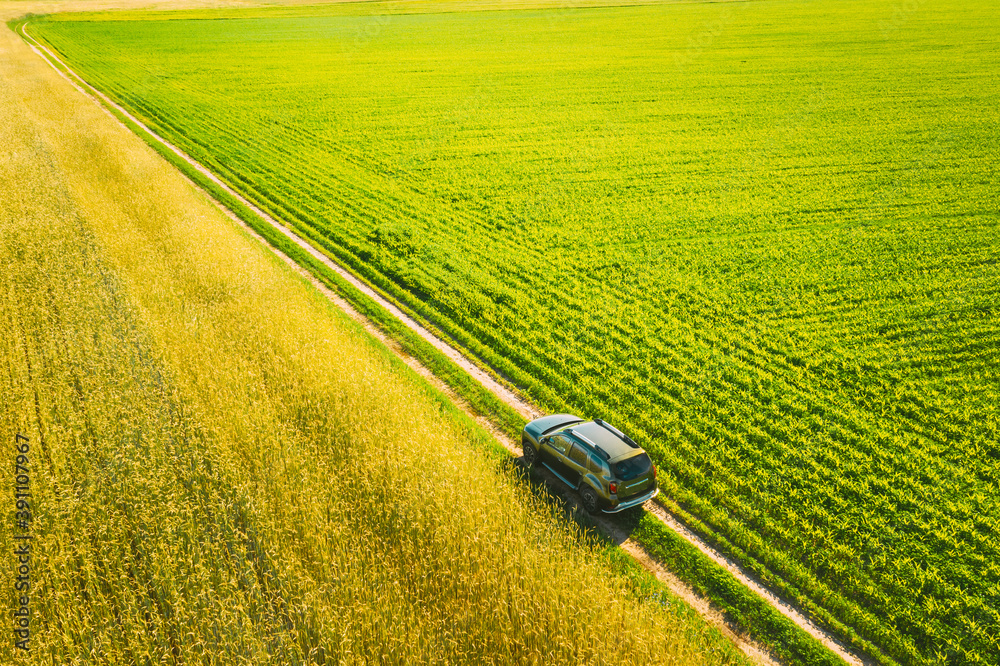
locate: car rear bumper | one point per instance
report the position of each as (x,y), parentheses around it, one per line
(635,501)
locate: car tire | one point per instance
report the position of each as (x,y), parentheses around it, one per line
(589,499)
(529,453)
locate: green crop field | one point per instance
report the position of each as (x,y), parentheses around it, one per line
(761,237)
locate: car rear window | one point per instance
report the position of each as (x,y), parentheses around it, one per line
(633,467)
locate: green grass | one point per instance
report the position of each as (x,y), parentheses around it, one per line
(761,237)
(741,607)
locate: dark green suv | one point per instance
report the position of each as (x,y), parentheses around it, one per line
(610,471)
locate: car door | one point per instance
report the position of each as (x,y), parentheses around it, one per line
(600,471)
(553,453)
(576,464)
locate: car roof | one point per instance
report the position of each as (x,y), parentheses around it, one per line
(608,440)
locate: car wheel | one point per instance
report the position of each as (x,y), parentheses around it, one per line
(589,498)
(530,454)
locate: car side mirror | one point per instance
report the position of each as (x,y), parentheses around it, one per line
(544,440)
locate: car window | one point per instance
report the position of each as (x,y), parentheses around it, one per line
(633,467)
(578,455)
(598,466)
(560,443)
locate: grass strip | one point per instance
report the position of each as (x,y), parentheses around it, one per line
(821,616)
(785,639)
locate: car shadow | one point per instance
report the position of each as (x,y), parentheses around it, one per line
(608,528)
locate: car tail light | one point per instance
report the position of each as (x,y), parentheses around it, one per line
(613,487)
(654,471)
